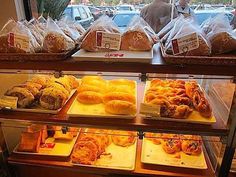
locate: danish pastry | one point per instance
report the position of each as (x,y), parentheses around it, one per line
(171,144)
(191,145)
(120,107)
(89,97)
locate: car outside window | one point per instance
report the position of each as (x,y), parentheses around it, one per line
(76,12)
(123,20)
(83,13)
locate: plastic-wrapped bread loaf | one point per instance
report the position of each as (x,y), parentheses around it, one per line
(138,36)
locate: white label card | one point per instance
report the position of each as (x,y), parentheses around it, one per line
(8,102)
(150,110)
(184,44)
(108,40)
(19,41)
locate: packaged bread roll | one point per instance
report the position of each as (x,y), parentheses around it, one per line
(221,35)
(103,24)
(55,40)
(138,36)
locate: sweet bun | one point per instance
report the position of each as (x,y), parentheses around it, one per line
(119,96)
(120,88)
(120,107)
(95,82)
(86,78)
(89,97)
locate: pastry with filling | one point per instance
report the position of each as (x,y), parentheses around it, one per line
(191,145)
(52,98)
(25,97)
(171,143)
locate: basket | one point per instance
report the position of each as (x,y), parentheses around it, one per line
(223,59)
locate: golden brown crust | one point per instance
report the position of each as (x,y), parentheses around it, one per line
(120,107)
(123,138)
(89,97)
(191,145)
(119,96)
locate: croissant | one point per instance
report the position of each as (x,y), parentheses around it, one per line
(120,107)
(119,96)
(89,97)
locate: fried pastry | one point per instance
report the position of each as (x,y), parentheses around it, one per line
(85,152)
(25,97)
(89,97)
(120,107)
(123,138)
(191,145)
(119,96)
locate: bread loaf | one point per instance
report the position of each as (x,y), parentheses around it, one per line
(120,107)
(89,97)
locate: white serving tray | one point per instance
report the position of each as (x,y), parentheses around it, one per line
(78,109)
(123,56)
(194,117)
(62,148)
(119,158)
(154,154)
(39,109)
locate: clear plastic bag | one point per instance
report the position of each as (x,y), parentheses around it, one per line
(35,31)
(15,37)
(55,40)
(103,24)
(139,36)
(220,34)
(69,30)
(185,27)
(73,24)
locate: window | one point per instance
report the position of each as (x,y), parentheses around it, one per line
(83,13)
(76,12)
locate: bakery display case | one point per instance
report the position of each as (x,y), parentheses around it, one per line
(108,123)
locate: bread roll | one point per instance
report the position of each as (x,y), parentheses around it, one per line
(52,98)
(55,42)
(85,87)
(89,97)
(123,82)
(95,82)
(120,88)
(120,107)
(87,78)
(119,96)
(25,97)
(136,41)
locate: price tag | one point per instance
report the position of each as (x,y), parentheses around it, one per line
(19,41)
(8,102)
(150,110)
(185,43)
(108,40)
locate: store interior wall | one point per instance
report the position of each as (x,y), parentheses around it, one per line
(7,10)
